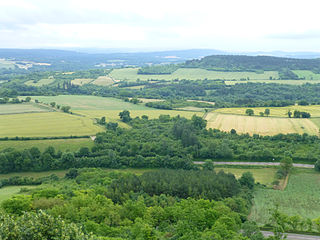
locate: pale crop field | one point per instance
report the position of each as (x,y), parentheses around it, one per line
(103,81)
(131,74)
(81,81)
(308,75)
(20,108)
(314,110)
(40,83)
(301,197)
(73,144)
(81,102)
(260,125)
(46,124)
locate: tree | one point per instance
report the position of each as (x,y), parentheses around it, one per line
(198,122)
(261,114)
(317,165)
(208,165)
(102,121)
(249,112)
(286,164)
(247,180)
(53,104)
(65,109)
(17,204)
(267,112)
(125,116)
(289,114)
(28,99)
(233,131)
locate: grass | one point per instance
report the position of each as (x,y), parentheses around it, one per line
(314,110)
(308,75)
(59,144)
(261,175)
(46,125)
(6,64)
(103,81)
(131,74)
(40,83)
(81,81)
(260,125)
(59,173)
(20,108)
(291,82)
(84,102)
(8,192)
(301,197)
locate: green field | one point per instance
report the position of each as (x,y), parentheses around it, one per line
(82,102)
(81,81)
(21,108)
(260,125)
(131,74)
(290,82)
(314,110)
(6,64)
(59,144)
(261,175)
(301,197)
(40,83)
(8,192)
(308,75)
(46,124)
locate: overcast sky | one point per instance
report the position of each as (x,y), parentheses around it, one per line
(232,25)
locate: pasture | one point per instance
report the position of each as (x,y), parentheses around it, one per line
(314,110)
(83,102)
(260,125)
(103,81)
(131,74)
(81,81)
(21,108)
(261,175)
(46,124)
(301,197)
(41,82)
(73,144)
(308,75)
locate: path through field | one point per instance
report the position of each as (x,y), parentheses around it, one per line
(291,236)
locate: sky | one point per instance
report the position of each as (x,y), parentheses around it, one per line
(229,25)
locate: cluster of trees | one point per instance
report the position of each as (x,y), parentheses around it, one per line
(266,112)
(91,199)
(177,103)
(298,114)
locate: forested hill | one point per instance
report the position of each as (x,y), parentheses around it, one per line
(253,63)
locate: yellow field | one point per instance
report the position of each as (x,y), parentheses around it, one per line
(261,125)
(46,124)
(81,81)
(103,81)
(314,110)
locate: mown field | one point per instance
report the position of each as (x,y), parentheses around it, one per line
(103,81)
(260,125)
(131,74)
(314,110)
(40,83)
(301,197)
(82,102)
(59,144)
(21,108)
(261,175)
(81,81)
(46,124)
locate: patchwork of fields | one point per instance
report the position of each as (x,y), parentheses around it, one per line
(260,125)
(301,197)
(131,74)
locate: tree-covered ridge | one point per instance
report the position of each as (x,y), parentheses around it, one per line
(253,63)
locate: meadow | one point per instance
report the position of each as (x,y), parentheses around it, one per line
(7,192)
(46,124)
(131,74)
(260,125)
(73,144)
(21,108)
(103,81)
(314,110)
(301,197)
(81,81)
(84,102)
(261,175)
(40,83)
(308,75)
